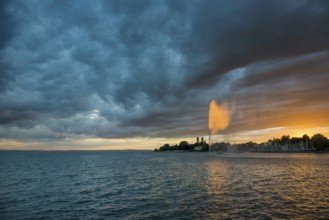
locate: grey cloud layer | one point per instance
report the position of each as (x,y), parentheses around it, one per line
(149,68)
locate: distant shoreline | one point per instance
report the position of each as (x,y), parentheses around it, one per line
(175,151)
(236,152)
(313,151)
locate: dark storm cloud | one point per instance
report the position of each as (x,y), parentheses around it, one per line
(286,93)
(149,68)
(237,35)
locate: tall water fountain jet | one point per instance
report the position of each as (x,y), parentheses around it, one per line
(219,117)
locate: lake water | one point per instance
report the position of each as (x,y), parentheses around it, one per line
(139,185)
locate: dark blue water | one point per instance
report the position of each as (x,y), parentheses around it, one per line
(139,185)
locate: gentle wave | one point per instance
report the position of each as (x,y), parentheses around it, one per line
(139,185)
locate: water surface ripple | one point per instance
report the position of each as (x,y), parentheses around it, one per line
(142,185)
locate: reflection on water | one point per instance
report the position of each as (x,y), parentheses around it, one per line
(148,185)
(217,176)
(269,186)
(304,189)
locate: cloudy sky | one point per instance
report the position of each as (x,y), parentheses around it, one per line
(136,74)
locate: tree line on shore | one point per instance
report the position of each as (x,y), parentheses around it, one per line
(185,146)
(318,142)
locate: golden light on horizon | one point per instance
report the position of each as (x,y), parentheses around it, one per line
(219,116)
